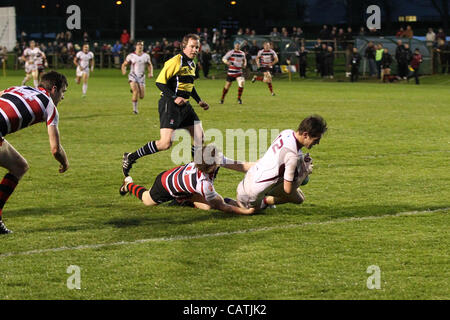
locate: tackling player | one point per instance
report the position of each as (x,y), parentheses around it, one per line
(21,107)
(82,60)
(265,60)
(236,61)
(176,82)
(138,60)
(275,178)
(192,183)
(31,57)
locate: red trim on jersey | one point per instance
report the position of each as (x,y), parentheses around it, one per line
(175,181)
(13,117)
(203,192)
(164,177)
(52,117)
(188,184)
(44,91)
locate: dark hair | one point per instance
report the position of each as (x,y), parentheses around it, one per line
(186,38)
(315,125)
(209,159)
(53,78)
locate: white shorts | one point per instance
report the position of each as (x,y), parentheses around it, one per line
(81,71)
(30,67)
(250,194)
(133,77)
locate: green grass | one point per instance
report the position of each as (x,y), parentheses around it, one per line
(386,152)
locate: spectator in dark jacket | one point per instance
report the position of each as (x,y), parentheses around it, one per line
(415,64)
(369,54)
(302,55)
(402,62)
(354,65)
(443,50)
(386,62)
(329,63)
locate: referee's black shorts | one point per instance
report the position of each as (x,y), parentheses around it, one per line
(173,116)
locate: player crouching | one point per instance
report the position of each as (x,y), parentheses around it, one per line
(192,183)
(275,178)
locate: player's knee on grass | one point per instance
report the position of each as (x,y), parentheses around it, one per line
(147,199)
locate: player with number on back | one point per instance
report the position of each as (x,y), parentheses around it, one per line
(138,60)
(236,61)
(82,60)
(21,107)
(275,178)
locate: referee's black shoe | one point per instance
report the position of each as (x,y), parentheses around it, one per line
(4,229)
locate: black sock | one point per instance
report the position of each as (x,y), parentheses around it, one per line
(147,149)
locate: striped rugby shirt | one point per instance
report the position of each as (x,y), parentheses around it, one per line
(24,106)
(237,59)
(266,57)
(186,180)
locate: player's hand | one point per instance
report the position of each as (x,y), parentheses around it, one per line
(204,105)
(250,211)
(63,167)
(180,101)
(150,75)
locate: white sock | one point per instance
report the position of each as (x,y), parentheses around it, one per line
(36,83)
(85,88)
(135,109)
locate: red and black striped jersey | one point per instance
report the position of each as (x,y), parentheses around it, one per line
(21,107)
(187,180)
(266,57)
(237,59)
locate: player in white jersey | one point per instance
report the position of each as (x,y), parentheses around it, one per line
(265,60)
(84,60)
(136,78)
(275,178)
(236,62)
(31,57)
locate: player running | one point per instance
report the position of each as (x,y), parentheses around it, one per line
(21,107)
(236,61)
(82,60)
(138,60)
(32,56)
(275,178)
(192,184)
(41,62)
(176,82)
(265,60)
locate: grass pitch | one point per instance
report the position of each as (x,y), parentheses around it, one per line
(385,154)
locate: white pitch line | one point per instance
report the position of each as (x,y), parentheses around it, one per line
(218,234)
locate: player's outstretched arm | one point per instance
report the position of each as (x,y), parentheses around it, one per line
(57,149)
(124,67)
(237,165)
(75,61)
(219,204)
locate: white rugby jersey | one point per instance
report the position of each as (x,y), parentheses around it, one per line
(237,59)
(138,62)
(279,162)
(31,55)
(21,107)
(84,58)
(186,180)
(266,57)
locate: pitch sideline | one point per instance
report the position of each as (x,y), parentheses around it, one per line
(218,234)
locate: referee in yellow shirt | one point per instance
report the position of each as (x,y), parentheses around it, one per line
(176,82)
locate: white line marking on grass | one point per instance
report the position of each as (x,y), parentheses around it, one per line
(218,234)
